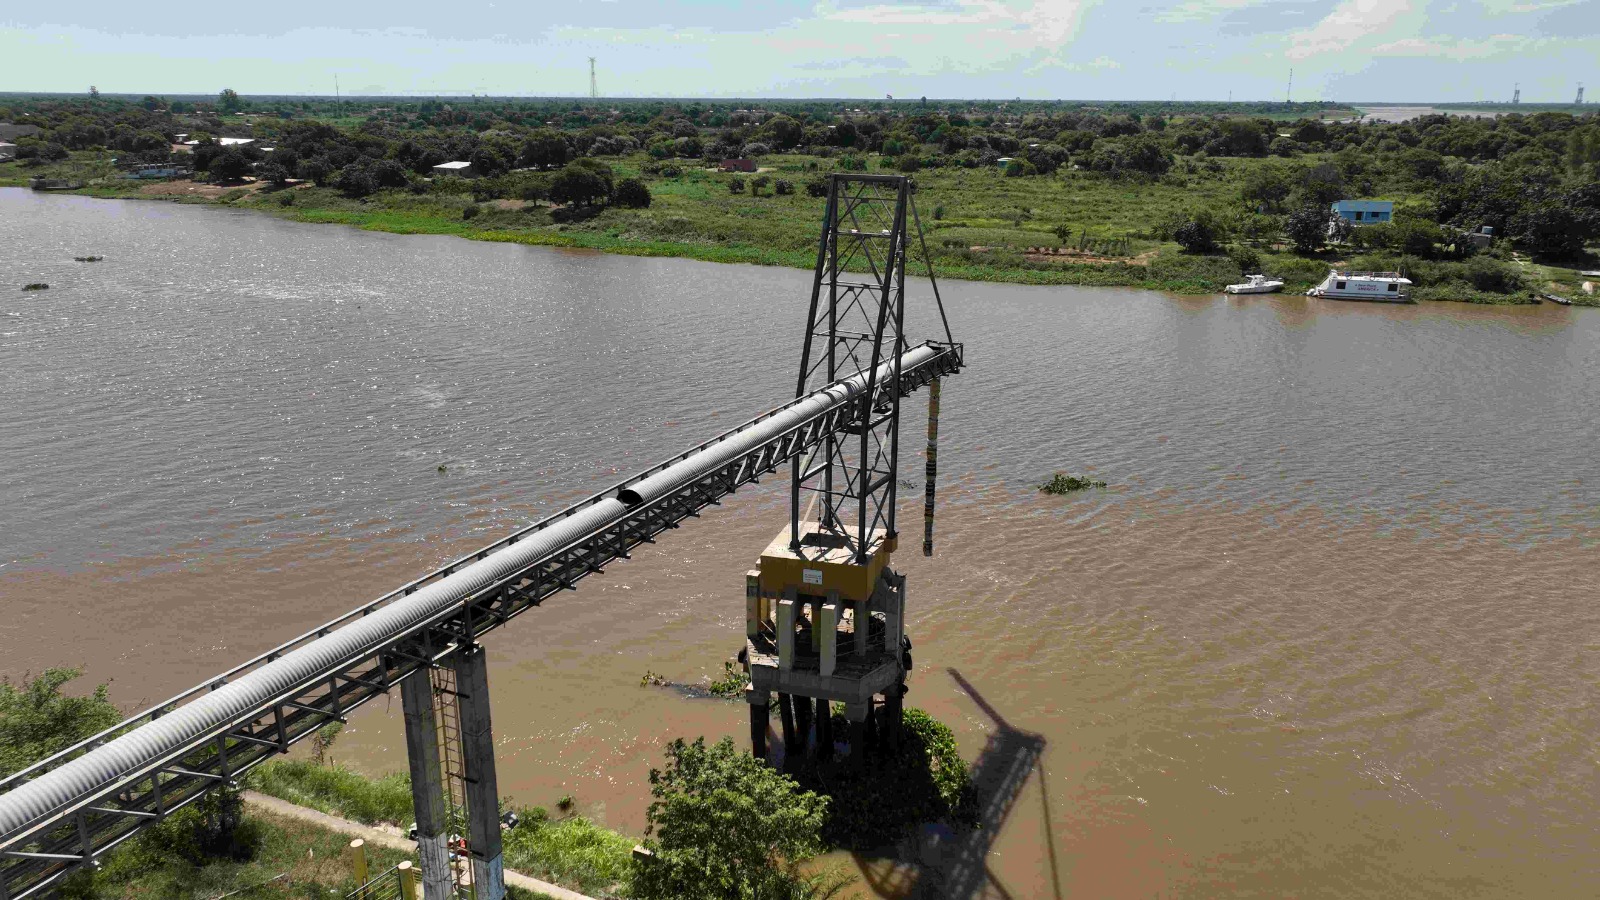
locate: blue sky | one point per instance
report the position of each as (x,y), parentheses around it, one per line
(1377,50)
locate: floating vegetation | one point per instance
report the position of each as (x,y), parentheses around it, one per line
(731,685)
(36,286)
(566,803)
(87,258)
(652,679)
(442,467)
(1063,483)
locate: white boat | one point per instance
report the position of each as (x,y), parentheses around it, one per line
(1383,287)
(1255,284)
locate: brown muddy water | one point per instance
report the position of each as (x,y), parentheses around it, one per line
(1331,632)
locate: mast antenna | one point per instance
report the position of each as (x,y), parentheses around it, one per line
(594,86)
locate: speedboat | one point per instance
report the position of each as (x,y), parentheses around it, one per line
(1383,287)
(1255,284)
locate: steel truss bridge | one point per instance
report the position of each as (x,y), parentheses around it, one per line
(66,811)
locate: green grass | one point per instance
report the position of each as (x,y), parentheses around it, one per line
(336,790)
(572,851)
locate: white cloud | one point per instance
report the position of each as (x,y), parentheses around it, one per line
(1351,22)
(1201,10)
(1456,48)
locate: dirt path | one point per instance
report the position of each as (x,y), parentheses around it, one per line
(388,839)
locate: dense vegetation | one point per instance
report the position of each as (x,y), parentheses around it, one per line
(1183,196)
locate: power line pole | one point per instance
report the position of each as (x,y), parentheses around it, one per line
(594,86)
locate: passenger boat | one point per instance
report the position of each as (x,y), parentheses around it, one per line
(1255,284)
(1383,287)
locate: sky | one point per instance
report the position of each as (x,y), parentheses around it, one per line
(1343,50)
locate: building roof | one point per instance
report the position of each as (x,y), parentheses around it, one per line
(1364,205)
(455,164)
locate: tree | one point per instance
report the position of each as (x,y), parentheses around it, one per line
(273,174)
(632,194)
(228,100)
(355,180)
(723,825)
(581,185)
(1307,228)
(94,92)
(229,164)
(36,721)
(1200,233)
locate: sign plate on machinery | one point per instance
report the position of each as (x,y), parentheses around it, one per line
(811,576)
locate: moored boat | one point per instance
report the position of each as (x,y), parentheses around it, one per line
(1555,298)
(1381,287)
(1255,284)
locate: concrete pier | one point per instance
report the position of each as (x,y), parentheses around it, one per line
(427,785)
(483,794)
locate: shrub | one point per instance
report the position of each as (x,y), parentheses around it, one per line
(736,185)
(1246,258)
(1199,234)
(574,852)
(759,184)
(817,187)
(471,212)
(632,194)
(783,187)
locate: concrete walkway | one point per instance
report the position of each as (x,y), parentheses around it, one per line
(387,839)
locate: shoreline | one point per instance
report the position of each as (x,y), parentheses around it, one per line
(1101,274)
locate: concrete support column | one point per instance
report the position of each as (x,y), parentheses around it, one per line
(857,713)
(786,713)
(894,701)
(483,794)
(863,626)
(802,723)
(824,730)
(753,613)
(788,609)
(827,626)
(427,784)
(894,613)
(759,701)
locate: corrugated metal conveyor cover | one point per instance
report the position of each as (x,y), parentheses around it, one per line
(104,766)
(100,769)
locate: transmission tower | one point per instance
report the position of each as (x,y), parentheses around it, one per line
(1288,96)
(594,86)
(1579,101)
(1516,94)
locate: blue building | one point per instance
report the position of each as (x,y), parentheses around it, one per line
(1364,212)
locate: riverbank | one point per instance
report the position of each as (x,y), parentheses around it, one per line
(979,224)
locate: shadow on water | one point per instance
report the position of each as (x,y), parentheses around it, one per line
(945,863)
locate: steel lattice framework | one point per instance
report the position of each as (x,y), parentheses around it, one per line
(856,321)
(66,811)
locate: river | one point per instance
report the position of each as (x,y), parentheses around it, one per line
(1331,631)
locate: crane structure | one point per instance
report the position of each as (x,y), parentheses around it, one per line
(838,436)
(825,612)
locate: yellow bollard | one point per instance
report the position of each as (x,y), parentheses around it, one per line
(358,861)
(408,881)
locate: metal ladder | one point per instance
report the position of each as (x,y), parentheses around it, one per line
(447,710)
